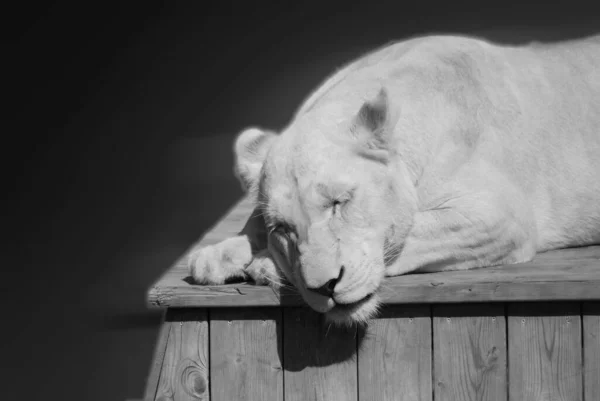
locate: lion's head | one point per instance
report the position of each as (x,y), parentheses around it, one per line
(336,200)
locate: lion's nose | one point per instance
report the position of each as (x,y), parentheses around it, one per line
(328,288)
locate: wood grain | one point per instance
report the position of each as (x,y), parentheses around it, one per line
(591,350)
(245,347)
(469,348)
(560,280)
(319,359)
(184,374)
(544,351)
(157,360)
(395,355)
(571,274)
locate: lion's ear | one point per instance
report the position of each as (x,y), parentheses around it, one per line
(251,147)
(374,124)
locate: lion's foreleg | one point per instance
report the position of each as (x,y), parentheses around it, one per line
(241,256)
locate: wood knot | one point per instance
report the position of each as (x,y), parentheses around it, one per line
(193,380)
(200,385)
(492,356)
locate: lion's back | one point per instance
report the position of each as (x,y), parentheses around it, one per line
(546,137)
(417,49)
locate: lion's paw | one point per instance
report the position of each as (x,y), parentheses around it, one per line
(220,262)
(263,270)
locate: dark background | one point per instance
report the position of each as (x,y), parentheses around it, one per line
(117,152)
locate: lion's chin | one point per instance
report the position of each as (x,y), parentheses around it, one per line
(356,313)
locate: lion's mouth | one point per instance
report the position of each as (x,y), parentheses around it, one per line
(350,307)
(356,312)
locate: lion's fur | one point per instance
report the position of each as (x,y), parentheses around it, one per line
(445,152)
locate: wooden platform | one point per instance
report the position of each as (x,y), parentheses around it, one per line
(520,332)
(572,274)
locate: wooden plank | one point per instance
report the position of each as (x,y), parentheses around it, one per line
(245,354)
(469,346)
(591,350)
(319,358)
(157,360)
(569,274)
(181,295)
(395,355)
(544,351)
(184,375)
(550,280)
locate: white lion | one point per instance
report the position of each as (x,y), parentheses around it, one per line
(436,153)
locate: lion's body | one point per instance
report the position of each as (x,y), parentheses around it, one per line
(536,128)
(487,154)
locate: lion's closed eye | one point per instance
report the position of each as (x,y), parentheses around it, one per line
(338,203)
(282,229)
(335,205)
